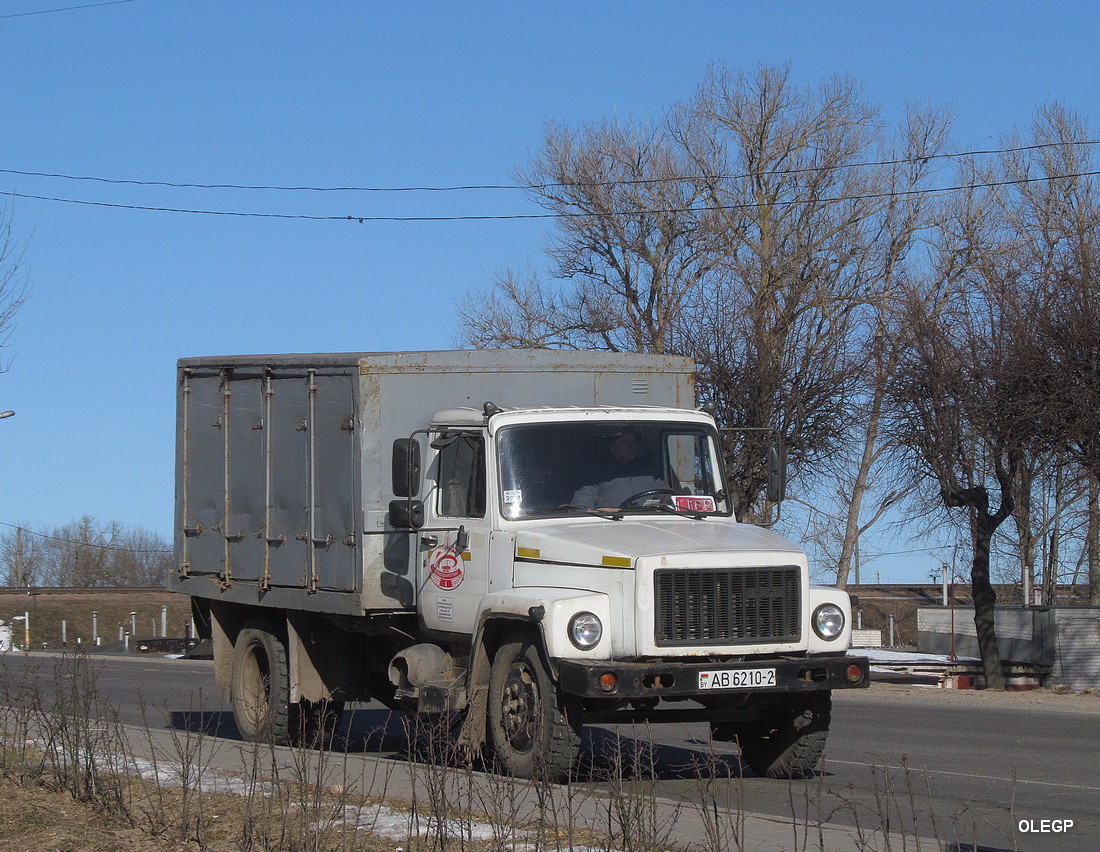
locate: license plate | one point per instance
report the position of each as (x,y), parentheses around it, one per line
(737,679)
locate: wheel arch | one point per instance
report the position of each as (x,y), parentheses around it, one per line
(226,621)
(493,630)
(316,674)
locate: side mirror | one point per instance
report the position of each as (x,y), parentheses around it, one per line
(406,514)
(777,472)
(405,468)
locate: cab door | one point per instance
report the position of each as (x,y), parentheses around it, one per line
(453,568)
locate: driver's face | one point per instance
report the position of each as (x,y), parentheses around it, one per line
(624,449)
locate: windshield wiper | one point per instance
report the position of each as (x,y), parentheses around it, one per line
(595,510)
(672,510)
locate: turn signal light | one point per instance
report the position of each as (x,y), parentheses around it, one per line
(855,674)
(608,682)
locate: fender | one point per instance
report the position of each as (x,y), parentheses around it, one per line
(546,610)
(550,609)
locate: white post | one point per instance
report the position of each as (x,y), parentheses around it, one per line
(164,621)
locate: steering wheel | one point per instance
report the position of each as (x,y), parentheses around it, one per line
(651,492)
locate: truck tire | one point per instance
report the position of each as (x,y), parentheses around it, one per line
(789,743)
(260,689)
(533,730)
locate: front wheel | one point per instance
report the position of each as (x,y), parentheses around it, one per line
(533,730)
(790,741)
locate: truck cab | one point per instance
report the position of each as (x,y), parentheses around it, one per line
(598,547)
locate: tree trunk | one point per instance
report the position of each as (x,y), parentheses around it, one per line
(850,545)
(1092,541)
(861,485)
(1026,538)
(985,600)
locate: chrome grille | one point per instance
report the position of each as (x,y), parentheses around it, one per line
(727,606)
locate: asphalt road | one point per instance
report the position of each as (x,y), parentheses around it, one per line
(1004,771)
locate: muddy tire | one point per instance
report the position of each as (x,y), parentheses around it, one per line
(533,731)
(260,689)
(790,741)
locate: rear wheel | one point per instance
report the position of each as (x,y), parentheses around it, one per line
(790,741)
(533,730)
(260,688)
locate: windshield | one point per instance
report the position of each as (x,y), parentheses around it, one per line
(584,468)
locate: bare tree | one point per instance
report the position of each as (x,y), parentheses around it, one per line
(1066,364)
(956,410)
(745,231)
(22,556)
(85,553)
(1051,213)
(628,251)
(138,557)
(77,554)
(13,285)
(906,213)
(783,168)
(1051,490)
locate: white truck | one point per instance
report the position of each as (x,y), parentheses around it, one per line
(536,539)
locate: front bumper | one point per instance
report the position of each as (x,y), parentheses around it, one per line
(678,679)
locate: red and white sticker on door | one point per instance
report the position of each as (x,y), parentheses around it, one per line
(445,566)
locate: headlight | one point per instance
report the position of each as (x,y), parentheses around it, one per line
(585,630)
(828,621)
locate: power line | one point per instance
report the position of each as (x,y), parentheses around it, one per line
(66,9)
(913,193)
(525,187)
(261,187)
(182,210)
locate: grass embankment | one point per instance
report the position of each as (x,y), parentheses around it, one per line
(48,608)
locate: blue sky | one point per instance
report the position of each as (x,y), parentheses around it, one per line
(347,93)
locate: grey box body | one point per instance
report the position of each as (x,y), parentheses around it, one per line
(283,462)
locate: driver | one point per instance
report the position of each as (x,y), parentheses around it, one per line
(625,475)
